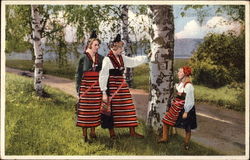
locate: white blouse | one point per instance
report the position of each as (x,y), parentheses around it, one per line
(107,65)
(189,99)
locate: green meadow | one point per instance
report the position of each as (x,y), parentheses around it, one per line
(46,126)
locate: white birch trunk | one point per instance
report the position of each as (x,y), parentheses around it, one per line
(36,27)
(161,66)
(128,71)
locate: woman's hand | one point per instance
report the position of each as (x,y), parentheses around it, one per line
(149,56)
(105,98)
(184,116)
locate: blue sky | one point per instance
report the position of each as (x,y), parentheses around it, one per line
(189,26)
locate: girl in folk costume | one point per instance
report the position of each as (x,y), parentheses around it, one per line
(112,80)
(87,86)
(181,113)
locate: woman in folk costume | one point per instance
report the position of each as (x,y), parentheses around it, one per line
(111,79)
(87,86)
(181,113)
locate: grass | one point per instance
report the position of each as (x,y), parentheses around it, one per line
(46,126)
(51,68)
(226,97)
(141,77)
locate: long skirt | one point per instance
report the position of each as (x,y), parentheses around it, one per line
(122,106)
(89,102)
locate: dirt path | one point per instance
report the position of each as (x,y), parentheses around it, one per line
(220,129)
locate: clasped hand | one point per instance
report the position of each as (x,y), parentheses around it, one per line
(105,98)
(184,116)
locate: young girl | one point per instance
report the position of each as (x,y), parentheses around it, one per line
(87,86)
(111,78)
(181,113)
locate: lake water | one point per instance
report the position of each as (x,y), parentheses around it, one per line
(52,56)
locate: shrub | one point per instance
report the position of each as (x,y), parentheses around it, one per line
(219,60)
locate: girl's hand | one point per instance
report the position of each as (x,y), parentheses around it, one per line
(104,97)
(184,116)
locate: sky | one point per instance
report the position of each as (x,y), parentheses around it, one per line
(185,27)
(189,27)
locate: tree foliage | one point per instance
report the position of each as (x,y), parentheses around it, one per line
(219,60)
(18,26)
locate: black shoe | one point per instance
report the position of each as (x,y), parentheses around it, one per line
(186,147)
(93,136)
(136,135)
(162,141)
(113,137)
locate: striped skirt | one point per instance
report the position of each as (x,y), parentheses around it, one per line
(122,106)
(172,115)
(89,102)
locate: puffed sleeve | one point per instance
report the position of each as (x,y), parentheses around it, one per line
(134,61)
(104,74)
(189,100)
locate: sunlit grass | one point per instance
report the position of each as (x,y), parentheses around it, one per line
(66,71)
(46,126)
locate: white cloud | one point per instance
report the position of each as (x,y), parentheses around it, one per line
(216,25)
(220,25)
(191,30)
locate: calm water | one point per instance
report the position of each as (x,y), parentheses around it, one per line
(51,56)
(181,51)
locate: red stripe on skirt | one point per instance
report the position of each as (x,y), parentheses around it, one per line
(127,125)
(90,118)
(125,119)
(122,100)
(172,115)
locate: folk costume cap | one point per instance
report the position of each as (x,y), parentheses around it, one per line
(93,35)
(117,38)
(187,70)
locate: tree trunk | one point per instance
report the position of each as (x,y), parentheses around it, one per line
(161,66)
(128,49)
(37,27)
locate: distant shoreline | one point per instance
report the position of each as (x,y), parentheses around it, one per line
(182,57)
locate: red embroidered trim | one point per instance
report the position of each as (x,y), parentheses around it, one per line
(114,61)
(96,58)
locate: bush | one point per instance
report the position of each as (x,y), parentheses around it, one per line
(210,75)
(219,60)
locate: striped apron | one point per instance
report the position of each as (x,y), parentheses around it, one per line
(172,115)
(122,107)
(90,102)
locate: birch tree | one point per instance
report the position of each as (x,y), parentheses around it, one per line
(125,33)
(26,26)
(161,66)
(36,36)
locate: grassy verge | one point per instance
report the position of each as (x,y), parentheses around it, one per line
(51,68)
(226,97)
(46,126)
